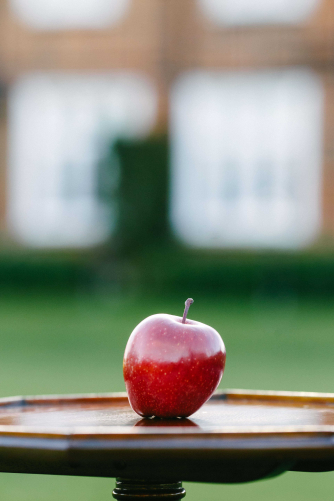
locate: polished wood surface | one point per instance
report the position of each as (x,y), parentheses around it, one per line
(225,412)
(236,436)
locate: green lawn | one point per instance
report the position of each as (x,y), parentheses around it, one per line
(59,344)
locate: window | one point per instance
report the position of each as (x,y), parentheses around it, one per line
(246,158)
(67,14)
(60,130)
(245,12)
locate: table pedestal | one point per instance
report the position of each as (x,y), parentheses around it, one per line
(137,490)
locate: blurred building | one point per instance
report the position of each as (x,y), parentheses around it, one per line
(245,88)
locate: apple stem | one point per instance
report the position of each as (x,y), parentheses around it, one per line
(186,309)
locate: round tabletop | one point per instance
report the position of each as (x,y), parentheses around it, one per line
(236,436)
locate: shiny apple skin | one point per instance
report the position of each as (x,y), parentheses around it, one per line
(171,369)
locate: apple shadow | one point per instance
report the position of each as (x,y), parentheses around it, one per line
(177,422)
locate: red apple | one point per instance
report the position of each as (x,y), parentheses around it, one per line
(172,365)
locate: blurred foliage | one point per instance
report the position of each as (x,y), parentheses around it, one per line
(25,271)
(238,273)
(170,268)
(142,197)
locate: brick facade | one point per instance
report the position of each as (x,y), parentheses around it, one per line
(162,38)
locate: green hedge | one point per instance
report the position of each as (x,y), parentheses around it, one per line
(240,274)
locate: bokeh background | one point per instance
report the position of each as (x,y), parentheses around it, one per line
(154,150)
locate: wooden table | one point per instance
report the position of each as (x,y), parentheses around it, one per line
(237,436)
